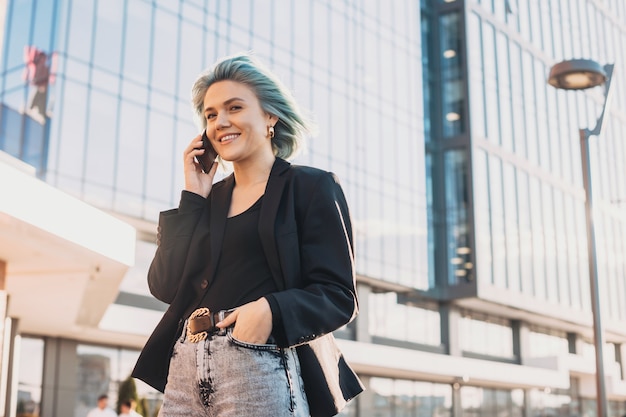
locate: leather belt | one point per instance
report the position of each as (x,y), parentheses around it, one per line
(202,322)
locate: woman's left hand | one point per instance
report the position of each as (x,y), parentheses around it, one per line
(253,322)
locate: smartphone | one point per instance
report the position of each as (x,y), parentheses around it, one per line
(208,157)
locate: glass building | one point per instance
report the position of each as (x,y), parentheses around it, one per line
(459,162)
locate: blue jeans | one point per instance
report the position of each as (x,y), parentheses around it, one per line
(224,377)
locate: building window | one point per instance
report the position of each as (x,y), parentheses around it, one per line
(398,397)
(30,377)
(487,336)
(487,402)
(391,320)
(101,370)
(547,343)
(460,256)
(452,81)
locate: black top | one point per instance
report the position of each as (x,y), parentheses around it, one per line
(243,274)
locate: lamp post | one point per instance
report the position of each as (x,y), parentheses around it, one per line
(580,74)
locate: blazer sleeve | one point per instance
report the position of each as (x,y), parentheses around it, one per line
(174,235)
(325,297)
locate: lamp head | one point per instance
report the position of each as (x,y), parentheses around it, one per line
(577,74)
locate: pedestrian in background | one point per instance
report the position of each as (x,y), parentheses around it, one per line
(127,409)
(257,269)
(102,410)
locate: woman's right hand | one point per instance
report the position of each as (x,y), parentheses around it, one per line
(196,181)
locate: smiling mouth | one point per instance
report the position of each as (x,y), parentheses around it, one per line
(228,138)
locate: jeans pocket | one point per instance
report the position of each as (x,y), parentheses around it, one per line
(268,346)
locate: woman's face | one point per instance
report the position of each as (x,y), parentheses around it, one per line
(236,124)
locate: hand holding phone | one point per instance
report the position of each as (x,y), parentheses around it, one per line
(208,157)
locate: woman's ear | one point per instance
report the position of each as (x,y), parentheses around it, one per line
(273,120)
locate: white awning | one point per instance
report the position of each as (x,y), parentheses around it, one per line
(64,258)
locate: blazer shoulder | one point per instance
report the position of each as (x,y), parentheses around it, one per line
(310,175)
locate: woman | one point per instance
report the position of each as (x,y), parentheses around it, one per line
(258,268)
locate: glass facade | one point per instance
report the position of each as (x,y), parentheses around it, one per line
(119,110)
(458,160)
(526,168)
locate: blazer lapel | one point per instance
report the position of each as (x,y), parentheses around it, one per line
(267,218)
(220,202)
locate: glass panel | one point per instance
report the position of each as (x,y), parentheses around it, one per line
(400,398)
(530,107)
(539,255)
(100,155)
(497,222)
(460,264)
(562,247)
(487,336)
(30,377)
(160,166)
(482,215)
(476,79)
(96,375)
(517,97)
(544,344)
(525,233)
(550,250)
(11,134)
(19,17)
(132,148)
(543,133)
(491,87)
(389,319)
(453,94)
(34,150)
(432,238)
(72,129)
(81,31)
(108,35)
(164,51)
(101,370)
(511,228)
(504,91)
(137,42)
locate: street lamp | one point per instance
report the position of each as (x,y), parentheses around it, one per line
(580,74)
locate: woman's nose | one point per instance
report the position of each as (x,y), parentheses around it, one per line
(222,120)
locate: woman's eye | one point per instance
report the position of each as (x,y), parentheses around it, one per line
(210,116)
(235,107)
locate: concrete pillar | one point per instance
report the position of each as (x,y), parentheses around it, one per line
(574,343)
(365,400)
(59,378)
(620,357)
(521,341)
(450,318)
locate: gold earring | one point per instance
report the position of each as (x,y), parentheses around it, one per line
(271,131)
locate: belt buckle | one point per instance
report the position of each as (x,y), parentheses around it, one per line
(200,336)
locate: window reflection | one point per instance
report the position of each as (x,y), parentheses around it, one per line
(460,254)
(481,402)
(101,370)
(547,343)
(453,93)
(482,216)
(398,398)
(389,319)
(486,336)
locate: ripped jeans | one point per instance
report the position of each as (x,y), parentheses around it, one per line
(224,377)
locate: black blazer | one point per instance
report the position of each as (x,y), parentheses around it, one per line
(306,235)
